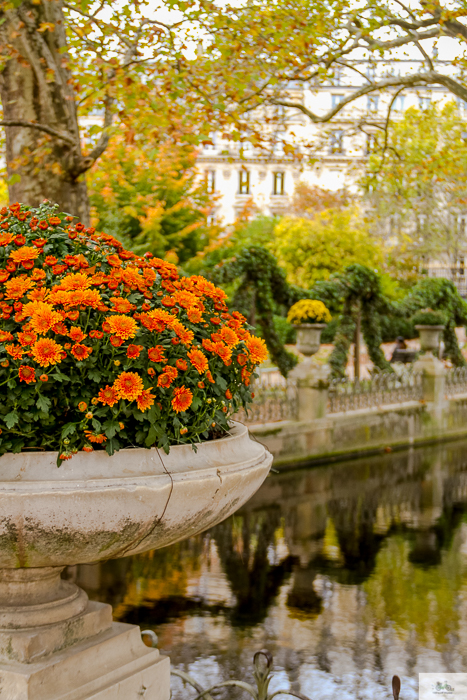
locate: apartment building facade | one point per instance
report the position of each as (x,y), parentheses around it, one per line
(244,176)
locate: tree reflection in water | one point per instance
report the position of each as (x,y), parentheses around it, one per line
(348,573)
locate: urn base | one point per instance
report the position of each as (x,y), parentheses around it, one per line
(112,665)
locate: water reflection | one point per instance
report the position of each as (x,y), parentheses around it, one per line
(347,573)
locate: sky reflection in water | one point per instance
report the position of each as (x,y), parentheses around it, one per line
(347,573)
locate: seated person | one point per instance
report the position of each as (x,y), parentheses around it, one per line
(400,345)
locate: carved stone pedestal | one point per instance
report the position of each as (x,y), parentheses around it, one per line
(55,644)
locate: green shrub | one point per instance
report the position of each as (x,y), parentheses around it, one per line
(328,333)
(429,318)
(392,327)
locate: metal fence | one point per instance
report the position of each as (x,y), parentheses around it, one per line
(456,381)
(277,400)
(384,388)
(272,402)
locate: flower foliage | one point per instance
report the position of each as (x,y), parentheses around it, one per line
(101,348)
(309,311)
(428,317)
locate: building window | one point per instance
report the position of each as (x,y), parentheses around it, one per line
(336,99)
(337,77)
(211,181)
(278,183)
(370,144)
(424,102)
(398,104)
(244,182)
(336,144)
(462,226)
(372,103)
(213,145)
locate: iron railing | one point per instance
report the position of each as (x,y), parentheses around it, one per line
(272,403)
(262,674)
(382,389)
(456,381)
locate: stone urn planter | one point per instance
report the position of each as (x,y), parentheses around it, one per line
(429,337)
(55,644)
(309,338)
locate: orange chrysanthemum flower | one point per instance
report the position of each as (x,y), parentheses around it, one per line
(157,320)
(182,364)
(27,338)
(25,253)
(43,316)
(46,352)
(134,351)
(123,306)
(257,349)
(167,377)
(182,399)
(81,352)
(186,337)
(157,354)
(73,282)
(108,396)
(17,287)
(194,315)
(98,438)
(198,359)
(228,336)
(76,334)
(128,385)
(27,374)
(15,351)
(145,400)
(122,326)
(5,335)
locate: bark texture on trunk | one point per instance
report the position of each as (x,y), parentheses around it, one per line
(36,86)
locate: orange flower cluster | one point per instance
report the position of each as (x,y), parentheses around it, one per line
(121,332)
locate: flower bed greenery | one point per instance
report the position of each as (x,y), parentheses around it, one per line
(100,348)
(429,318)
(308,311)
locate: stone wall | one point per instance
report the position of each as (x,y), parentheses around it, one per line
(318,438)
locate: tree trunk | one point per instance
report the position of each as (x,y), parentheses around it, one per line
(356,360)
(36,86)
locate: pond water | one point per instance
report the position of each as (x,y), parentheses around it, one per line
(348,573)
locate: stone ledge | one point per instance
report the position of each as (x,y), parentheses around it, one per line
(114,665)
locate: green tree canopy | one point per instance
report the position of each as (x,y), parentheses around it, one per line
(313,249)
(416,182)
(149,197)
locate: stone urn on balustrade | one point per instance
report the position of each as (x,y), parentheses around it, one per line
(429,324)
(312,379)
(55,644)
(429,337)
(309,338)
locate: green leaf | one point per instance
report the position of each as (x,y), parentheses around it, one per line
(68,429)
(94,375)
(151,436)
(110,427)
(11,419)
(43,403)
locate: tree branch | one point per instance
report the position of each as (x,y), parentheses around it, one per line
(417,79)
(40,127)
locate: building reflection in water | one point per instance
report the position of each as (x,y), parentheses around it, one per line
(347,573)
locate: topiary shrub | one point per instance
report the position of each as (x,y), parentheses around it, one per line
(429,317)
